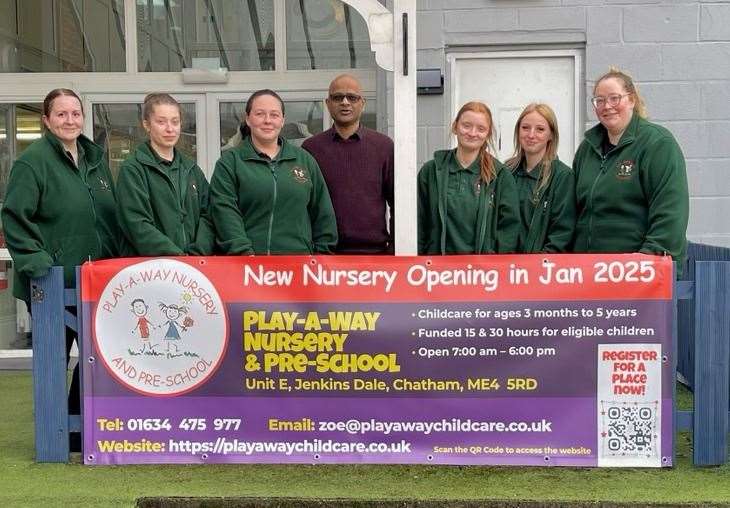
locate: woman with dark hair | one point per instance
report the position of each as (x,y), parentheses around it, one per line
(467,201)
(267,195)
(631,180)
(545,186)
(60,207)
(163,194)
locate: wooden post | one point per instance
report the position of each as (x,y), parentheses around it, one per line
(405,125)
(50,393)
(712,359)
(683,294)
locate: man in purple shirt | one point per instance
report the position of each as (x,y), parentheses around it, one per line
(357,164)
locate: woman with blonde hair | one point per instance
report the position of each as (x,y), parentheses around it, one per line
(163,194)
(545,186)
(631,179)
(467,200)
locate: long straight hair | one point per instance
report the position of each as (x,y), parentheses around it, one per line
(487,170)
(551,150)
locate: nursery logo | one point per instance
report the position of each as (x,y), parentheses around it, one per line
(625,169)
(160,327)
(299,174)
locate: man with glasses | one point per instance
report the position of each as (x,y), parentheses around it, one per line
(357,164)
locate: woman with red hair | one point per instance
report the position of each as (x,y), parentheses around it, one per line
(467,199)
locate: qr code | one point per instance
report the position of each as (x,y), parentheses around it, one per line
(629,429)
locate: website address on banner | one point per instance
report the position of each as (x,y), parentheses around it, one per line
(226,446)
(421,427)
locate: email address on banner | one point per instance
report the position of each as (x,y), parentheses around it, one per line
(421,427)
(225,446)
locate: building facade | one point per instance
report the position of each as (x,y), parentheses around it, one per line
(211,54)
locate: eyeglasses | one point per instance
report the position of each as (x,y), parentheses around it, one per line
(612,100)
(340,97)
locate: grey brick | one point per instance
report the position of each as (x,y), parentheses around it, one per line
(422,143)
(429,32)
(642,61)
(672,101)
(604,24)
(430,58)
(569,3)
(708,60)
(485,20)
(702,139)
(431,111)
(428,5)
(632,2)
(437,139)
(708,177)
(515,37)
(486,4)
(430,139)
(718,139)
(552,18)
(715,101)
(663,23)
(715,22)
(709,216)
(693,137)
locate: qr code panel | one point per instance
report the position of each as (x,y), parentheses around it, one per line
(629,429)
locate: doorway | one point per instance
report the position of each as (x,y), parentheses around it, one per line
(20,125)
(509,80)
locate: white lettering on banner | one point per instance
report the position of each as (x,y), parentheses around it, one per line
(322,276)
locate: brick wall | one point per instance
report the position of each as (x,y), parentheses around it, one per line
(678,51)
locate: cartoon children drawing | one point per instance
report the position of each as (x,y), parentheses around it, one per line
(173,312)
(140,310)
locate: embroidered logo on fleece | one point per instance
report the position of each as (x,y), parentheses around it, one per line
(299,174)
(625,169)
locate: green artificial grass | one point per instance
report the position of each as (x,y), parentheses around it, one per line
(25,483)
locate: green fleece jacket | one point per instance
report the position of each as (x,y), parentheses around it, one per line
(496,228)
(58,214)
(164,213)
(635,197)
(265,206)
(548,218)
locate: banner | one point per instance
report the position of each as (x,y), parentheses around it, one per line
(528,359)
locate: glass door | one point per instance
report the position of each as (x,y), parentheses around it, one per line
(20,125)
(305,115)
(115,123)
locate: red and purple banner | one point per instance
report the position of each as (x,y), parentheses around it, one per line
(529,359)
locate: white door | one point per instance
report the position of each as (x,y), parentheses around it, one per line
(509,80)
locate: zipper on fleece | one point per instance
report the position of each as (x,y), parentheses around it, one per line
(272,167)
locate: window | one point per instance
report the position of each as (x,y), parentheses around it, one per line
(326,34)
(118,128)
(61,36)
(239,35)
(233,34)
(302,120)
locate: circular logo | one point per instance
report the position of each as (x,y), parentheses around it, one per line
(160,327)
